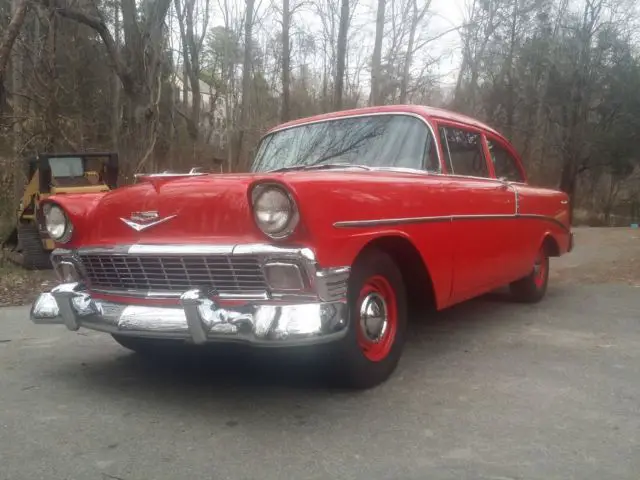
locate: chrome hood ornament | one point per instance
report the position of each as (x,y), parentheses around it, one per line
(142,220)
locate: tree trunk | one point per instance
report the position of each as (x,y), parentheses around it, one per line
(286,20)
(404,83)
(342,54)
(376,61)
(116,112)
(509,100)
(246,81)
(138,66)
(191,63)
(18,13)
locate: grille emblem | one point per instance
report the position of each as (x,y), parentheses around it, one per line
(142,220)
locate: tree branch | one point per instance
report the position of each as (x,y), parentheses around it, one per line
(11,34)
(99,26)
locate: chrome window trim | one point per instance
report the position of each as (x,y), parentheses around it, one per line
(359,115)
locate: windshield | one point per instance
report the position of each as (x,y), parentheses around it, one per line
(375,141)
(66,167)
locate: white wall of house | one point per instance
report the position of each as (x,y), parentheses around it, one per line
(213,111)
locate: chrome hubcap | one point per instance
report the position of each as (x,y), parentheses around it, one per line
(373,317)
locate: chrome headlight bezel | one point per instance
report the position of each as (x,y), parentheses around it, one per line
(57,223)
(280,194)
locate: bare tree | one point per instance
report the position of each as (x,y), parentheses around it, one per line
(286,57)
(192,53)
(19,8)
(417,15)
(138,65)
(376,61)
(342,54)
(246,76)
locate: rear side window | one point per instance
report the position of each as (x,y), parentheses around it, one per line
(463,152)
(504,164)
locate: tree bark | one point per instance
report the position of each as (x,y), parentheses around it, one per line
(246,80)
(286,54)
(19,11)
(376,61)
(138,65)
(116,112)
(342,54)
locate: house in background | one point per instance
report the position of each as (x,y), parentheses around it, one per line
(213,111)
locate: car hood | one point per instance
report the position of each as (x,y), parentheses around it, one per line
(189,210)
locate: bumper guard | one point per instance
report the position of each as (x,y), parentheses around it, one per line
(198,319)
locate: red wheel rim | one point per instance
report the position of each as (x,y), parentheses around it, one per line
(540,269)
(377,318)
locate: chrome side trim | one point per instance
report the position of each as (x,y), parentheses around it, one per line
(444,218)
(359,115)
(197,320)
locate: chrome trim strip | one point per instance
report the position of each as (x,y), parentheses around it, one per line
(197,320)
(359,115)
(157,249)
(444,218)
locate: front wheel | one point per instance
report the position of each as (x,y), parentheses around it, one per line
(371,350)
(532,288)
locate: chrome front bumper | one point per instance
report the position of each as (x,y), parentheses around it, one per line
(198,319)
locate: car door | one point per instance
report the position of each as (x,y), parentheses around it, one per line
(482,211)
(508,168)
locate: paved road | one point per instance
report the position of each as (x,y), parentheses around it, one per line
(487,390)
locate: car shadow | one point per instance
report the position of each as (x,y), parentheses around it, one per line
(229,375)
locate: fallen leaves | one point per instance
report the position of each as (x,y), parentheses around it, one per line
(19,286)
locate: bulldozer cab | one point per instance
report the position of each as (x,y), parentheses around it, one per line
(55,174)
(73,172)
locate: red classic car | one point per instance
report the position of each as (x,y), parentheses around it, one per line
(346,222)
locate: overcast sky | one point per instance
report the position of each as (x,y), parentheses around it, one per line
(443,16)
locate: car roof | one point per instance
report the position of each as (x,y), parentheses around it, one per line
(432,112)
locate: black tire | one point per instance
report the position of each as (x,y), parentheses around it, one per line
(34,255)
(352,367)
(148,346)
(533,287)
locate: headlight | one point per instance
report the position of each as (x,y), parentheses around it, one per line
(274,210)
(58,225)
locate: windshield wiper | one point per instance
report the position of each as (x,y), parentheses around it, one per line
(321,166)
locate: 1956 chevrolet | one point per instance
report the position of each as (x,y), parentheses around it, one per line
(345,224)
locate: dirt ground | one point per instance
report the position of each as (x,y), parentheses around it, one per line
(601,255)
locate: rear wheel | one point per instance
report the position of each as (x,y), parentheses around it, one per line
(371,350)
(533,287)
(34,255)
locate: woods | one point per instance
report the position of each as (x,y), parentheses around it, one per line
(197,82)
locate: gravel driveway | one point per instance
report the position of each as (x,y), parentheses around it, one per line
(486,390)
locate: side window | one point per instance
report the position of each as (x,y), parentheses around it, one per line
(504,164)
(463,151)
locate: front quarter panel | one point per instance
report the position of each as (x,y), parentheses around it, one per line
(326,199)
(78,208)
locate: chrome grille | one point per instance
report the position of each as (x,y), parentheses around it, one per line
(225,273)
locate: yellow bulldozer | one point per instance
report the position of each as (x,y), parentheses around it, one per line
(48,174)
